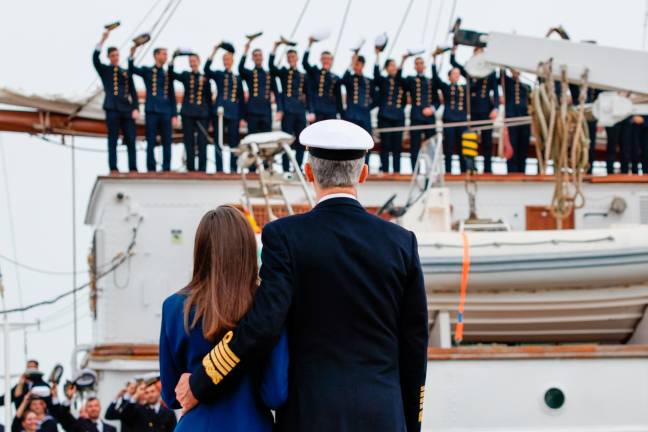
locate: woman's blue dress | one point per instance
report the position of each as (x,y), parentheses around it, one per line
(245,408)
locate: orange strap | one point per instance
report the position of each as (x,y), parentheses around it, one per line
(465,270)
(250,217)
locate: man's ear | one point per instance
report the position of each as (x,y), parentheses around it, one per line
(364,173)
(308,172)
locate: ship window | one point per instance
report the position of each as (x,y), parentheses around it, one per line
(554,398)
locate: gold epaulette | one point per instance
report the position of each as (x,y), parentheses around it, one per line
(221,360)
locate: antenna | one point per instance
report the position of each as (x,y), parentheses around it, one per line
(645,27)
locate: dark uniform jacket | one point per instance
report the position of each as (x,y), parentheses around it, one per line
(145,418)
(454,98)
(360,97)
(516,95)
(260,86)
(324,88)
(196,101)
(354,305)
(294,97)
(115,412)
(391,95)
(119,89)
(160,97)
(481,100)
(229,91)
(71,424)
(423,95)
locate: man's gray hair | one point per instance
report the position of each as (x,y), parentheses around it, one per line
(331,173)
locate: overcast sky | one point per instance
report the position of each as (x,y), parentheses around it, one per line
(47,47)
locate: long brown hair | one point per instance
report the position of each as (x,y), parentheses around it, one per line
(225,272)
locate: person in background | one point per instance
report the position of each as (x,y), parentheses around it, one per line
(146,413)
(324,86)
(516,104)
(32,377)
(293,102)
(425,101)
(360,95)
(229,97)
(641,141)
(258,109)
(116,407)
(89,419)
(591,96)
(196,106)
(391,99)
(32,403)
(28,422)
(160,106)
(120,104)
(484,98)
(454,102)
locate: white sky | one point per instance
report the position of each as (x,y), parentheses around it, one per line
(47,47)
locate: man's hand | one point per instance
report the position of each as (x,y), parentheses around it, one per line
(70,391)
(639,120)
(174,121)
(493,114)
(428,111)
(104,36)
(121,393)
(184,396)
(310,117)
(279,115)
(311,41)
(247,47)
(135,115)
(132,50)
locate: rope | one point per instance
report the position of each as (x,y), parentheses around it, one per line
(339,38)
(36,269)
(157,35)
(119,259)
(426,22)
(465,271)
(400,28)
(478,125)
(531,243)
(436,24)
(294,29)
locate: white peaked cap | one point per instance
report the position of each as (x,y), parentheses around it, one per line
(336,140)
(415,50)
(321,34)
(357,44)
(381,41)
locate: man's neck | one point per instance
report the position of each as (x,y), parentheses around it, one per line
(322,193)
(159,65)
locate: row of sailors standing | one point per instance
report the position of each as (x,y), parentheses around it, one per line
(305,97)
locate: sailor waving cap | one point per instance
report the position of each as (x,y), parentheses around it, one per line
(336,140)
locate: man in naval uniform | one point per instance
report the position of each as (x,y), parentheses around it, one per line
(516,101)
(454,110)
(229,97)
(146,411)
(258,109)
(160,106)
(353,304)
(120,104)
(484,98)
(90,421)
(324,85)
(293,102)
(196,106)
(425,101)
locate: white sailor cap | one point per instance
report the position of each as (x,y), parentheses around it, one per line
(381,41)
(336,140)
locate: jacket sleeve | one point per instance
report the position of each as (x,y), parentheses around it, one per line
(137,70)
(413,343)
(245,73)
(376,75)
(112,412)
(96,62)
(437,83)
(169,372)
(274,381)
(261,327)
(133,92)
(453,62)
(64,417)
(274,70)
(310,69)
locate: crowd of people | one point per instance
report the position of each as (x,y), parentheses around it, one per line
(39,408)
(246,98)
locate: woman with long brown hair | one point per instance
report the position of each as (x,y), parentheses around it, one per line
(222,289)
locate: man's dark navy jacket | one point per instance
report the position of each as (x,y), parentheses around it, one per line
(348,287)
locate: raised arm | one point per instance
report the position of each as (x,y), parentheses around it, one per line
(95,55)
(413,336)
(274,70)
(245,73)
(261,327)
(132,69)
(453,62)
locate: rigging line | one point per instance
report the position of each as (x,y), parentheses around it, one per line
(162,27)
(295,27)
(44,138)
(400,28)
(58,327)
(12,235)
(74,242)
(120,259)
(435,36)
(38,270)
(426,22)
(450,24)
(554,242)
(339,38)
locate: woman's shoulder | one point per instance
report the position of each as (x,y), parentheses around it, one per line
(174,302)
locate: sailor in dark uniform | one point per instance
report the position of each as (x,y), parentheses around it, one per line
(90,422)
(391,100)
(355,310)
(324,85)
(360,94)
(196,106)
(229,97)
(146,411)
(484,99)
(120,104)
(454,110)
(258,109)
(160,106)
(425,101)
(640,141)
(590,97)
(516,101)
(293,102)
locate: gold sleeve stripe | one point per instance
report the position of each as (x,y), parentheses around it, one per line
(219,363)
(420,419)
(211,371)
(223,355)
(228,337)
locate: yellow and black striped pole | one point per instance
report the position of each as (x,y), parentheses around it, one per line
(470,149)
